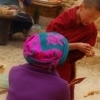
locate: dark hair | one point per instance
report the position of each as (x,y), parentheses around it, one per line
(92,3)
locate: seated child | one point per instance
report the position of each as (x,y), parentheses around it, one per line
(38,79)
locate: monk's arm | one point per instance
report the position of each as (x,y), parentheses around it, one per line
(83,47)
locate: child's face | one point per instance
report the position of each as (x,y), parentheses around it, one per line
(88,15)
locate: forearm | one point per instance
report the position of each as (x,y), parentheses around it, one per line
(73,46)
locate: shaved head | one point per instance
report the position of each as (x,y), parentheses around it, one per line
(92,4)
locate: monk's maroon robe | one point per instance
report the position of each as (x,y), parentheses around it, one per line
(66,24)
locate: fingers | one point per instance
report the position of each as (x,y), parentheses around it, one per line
(90,53)
(88,47)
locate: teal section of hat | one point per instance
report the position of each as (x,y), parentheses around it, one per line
(61,45)
(47,48)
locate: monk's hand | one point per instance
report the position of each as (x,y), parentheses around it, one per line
(84,47)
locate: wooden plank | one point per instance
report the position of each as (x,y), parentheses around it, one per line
(2,69)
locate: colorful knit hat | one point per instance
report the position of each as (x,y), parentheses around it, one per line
(46,49)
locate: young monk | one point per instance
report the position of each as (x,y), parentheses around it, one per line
(38,79)
(77,25)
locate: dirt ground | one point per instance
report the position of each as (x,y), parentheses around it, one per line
(11,55)
(88,89)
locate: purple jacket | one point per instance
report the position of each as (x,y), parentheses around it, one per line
(27,82)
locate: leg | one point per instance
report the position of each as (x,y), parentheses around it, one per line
(67,72)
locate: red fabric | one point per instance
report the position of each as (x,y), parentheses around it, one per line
(66,24)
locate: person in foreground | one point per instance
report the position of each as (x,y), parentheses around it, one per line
(38,79)
(77,25)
